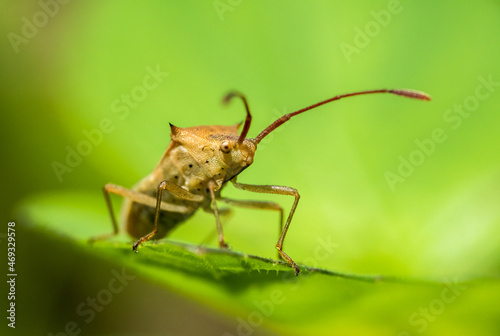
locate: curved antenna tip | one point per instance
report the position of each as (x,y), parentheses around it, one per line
(412,94)
(248,119)
(230,95)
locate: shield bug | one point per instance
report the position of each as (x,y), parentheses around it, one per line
(196,166)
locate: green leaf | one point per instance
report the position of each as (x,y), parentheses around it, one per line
(266,287)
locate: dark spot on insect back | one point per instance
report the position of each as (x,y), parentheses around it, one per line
(206,161)
(176,177)
(190,166)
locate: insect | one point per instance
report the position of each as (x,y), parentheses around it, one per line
(196,166)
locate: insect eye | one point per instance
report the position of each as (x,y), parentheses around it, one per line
(226,146)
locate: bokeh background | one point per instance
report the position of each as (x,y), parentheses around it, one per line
(67,70)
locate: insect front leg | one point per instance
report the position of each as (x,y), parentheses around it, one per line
(258,205)
(220,233)
(280,190)
(223,212)
(175,190)
(136,197)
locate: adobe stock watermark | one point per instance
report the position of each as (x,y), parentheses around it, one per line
(121,108)
(92,305)
(223,6)
(454,117)
(265,308)
(31,26)
(363,36)
(424,316)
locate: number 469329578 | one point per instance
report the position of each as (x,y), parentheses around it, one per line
(11,246)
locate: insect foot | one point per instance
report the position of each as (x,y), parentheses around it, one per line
(142,240)
(288,259)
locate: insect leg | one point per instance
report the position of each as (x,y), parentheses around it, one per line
(258,205)
(223,212)
(222,243)
(280,190)
(105,191)
(136,197)
(175,190)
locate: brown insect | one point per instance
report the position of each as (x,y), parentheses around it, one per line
(197,164)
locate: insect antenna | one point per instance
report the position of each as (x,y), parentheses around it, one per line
(248,119)
(286,117)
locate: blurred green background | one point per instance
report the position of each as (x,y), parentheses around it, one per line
(67,69)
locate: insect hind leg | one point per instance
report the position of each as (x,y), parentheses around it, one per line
(106,190)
